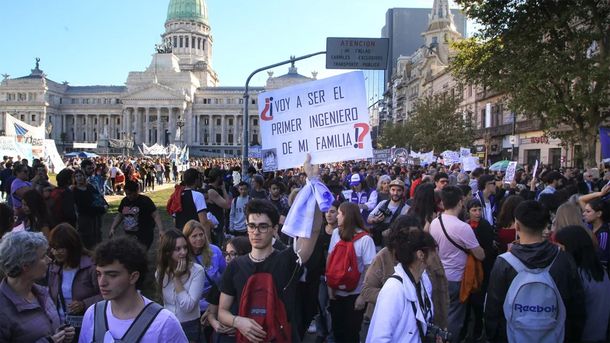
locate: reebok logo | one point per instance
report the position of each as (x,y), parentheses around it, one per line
(534,308)
(258,312)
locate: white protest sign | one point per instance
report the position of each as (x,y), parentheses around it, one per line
(327,118)
(470,163)
(51,157)
(510,172)
(451,157)
(535,169)
(25,133)
(464,152)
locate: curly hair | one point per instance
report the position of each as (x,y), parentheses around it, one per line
(405,241)
(125,250)
(18,249)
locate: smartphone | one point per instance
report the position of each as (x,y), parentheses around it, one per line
(63,326)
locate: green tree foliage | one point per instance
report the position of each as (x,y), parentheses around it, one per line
(550,57)
(435,125)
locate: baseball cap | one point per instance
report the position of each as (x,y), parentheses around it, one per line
(355,180)
(397,183)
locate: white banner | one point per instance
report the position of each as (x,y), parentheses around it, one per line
(51,157)
(327,118)
(25,133)
(10,147)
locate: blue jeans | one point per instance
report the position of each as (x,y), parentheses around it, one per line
(457,311)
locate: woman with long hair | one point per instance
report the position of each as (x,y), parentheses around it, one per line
(505,223)
(72,276)
(208,255)
(180,281)
(576,241)
(36,216)
(88,225)
(424,205)
(346,312)
(407,293)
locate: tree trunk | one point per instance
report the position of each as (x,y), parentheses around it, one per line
(588,141)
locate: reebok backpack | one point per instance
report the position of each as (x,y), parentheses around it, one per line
(260,301)
(533,307)
(342,268)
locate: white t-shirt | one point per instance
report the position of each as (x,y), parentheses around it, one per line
(164,329)
(66,288)
(365,252)
(453,259)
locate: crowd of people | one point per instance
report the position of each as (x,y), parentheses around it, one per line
(347,252)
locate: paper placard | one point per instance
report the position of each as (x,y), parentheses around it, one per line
(510,172)
(327,118)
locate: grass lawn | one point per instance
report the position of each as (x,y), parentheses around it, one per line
(160,200)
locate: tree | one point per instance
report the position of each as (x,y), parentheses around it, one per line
(550,57)
(435,125)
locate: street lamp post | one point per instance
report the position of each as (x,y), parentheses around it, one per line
(244,161)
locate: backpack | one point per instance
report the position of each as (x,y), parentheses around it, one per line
(260,301)
(533,307)
(342,268)
(136,330)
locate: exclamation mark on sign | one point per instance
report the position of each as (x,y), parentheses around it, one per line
(360,135)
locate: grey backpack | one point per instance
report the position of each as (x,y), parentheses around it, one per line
(533,307)
(136,330)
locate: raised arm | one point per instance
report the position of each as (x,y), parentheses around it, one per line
(305,246)
(583,200)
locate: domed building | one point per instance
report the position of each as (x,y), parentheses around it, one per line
(178,89)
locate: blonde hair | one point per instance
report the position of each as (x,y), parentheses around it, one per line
(383,178)
(206,252)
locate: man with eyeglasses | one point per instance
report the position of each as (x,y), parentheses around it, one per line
(441,180)
(284,266)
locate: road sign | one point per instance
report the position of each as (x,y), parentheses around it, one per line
(357,53)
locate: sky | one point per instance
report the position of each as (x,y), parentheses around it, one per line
(98,42)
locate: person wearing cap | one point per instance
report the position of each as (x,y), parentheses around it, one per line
(385,212)
(361,194)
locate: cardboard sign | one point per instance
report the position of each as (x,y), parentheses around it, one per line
(327,118)
(510,172)
(470,163)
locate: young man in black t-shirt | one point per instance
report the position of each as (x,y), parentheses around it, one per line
(285,266)
(138,214)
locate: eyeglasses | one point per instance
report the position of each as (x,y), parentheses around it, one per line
(230,255)
(262,227)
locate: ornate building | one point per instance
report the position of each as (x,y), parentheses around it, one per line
(178,89)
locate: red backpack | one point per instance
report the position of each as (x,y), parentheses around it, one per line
(260,301)
(342,268)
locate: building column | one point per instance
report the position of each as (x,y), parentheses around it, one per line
(171,124)
(212,130)
(147,126)
(159,133)
(223,130)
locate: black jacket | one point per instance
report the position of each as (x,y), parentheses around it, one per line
(563,271)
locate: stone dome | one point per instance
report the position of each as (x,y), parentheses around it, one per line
(191,10)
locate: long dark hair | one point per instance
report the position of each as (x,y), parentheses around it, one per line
(506,217)
(165,264)
(39,215)
(579,244)
(424,203)
(352,220)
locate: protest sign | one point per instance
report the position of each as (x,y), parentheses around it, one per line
(382,155)
(470,163)
(25,133)
(327,118)
(510,172)
(451,157)
(535,169)
(51,157)
(464,152)
(400,155)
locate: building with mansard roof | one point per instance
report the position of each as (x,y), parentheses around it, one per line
(179,88)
